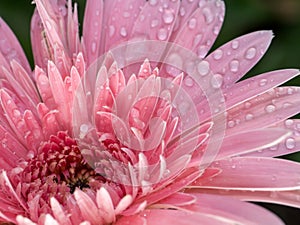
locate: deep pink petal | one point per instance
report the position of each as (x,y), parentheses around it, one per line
(253,173)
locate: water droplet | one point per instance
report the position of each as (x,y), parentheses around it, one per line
(274,178)
(231,123)
(175,60)
(235,44)
(250,53)
(123,32)
(216,81)
(234,66)
(270,108)
(48,25)
(111,30)
(290,143)
(94,46)
(168,16)
(154,23)
(188,82)
(209,17)
(183,107)
(197,39)
(162,34)
(233,166)
(203,68)
(218,54)
(249,116)
(126,14)
(263,82)
(182,11)
(202,51)
(153,2)
(16,113)
(289,122)
(192,23)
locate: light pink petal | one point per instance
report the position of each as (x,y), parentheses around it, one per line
(24,220)
(105,205)
(289,198)
(58,212)
(49,220)
(199,32)
(120,16)
(92,29)
(156,20)
(88,209)
(58,91)
(178,199)
(253,173)
(178,217)
(254,86)
(234,59)
(264,110)
(232,209)
(251,141)
(72,29)
(289,145)
(10,47)
(136,220)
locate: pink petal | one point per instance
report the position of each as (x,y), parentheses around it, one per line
(231,209)
(178,199)
(264,110)
(289,145)
(253,173)
(92,29)
(58,212)
(251,141)
(161,216)
(234,59)
(24,221)
(120,16)
(105,205)
(10,47)
(202,27)
(254,86)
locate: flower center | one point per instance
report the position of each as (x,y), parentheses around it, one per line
(58,169)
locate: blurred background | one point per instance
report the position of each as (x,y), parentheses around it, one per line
(242,16)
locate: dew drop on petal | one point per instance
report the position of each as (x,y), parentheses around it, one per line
(152,2)
(123,32)
(192,23)
(111,30)
(182,11)
(290,143)
(208,16)
(235,44)
(263,82)
(249,116)
(188,82)
(162,34)
(168,16)
(217,81)
(218,54)
(203,68)
(197,39)
(126,14)
(231,123)
(48,25)
(289,122)
(270,108)
(250,53)
(234,66)
(154,23)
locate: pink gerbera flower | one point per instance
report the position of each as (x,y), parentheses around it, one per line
(136,123)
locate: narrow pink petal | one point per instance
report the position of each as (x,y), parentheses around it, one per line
(289,145)
(10,47)
(251,141)
(49,220)
(58,91)
(234,59)
(202,27)
(24,220)
(121,16)
(232,209)
(264,174)
(88,209)
(254,86)
(72,29)
(289,198)
(92,29)
(40,46)
(178,199)
(105,205)
(123,204)
(264,110)
(178,217)
(59,213)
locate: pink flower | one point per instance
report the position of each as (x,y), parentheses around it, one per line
(86,141)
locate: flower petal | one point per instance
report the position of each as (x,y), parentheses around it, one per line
(253,173)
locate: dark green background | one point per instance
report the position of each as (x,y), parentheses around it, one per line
(242,16)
